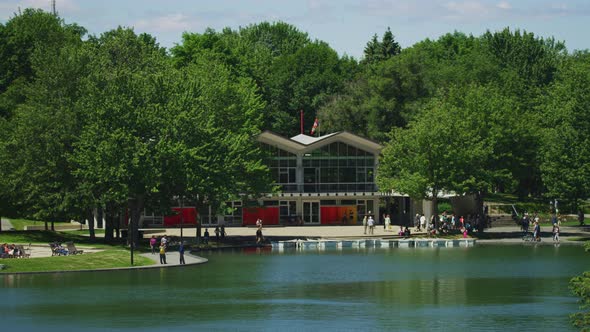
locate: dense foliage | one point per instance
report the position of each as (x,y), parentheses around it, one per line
(114,121)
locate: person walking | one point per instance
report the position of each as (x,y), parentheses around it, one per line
(371,223)
(181,253)
(164,241)
(537,232)
(162,254)
(222,232)
(217,234)
(556,233)
(153,242)
(365,224)
(259,237)
(422,222)
(206,236)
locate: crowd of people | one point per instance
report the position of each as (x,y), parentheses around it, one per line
(10,251)
(162,248)
(450,223)
(527,221)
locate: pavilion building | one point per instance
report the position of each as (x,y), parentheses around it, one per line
(325,180)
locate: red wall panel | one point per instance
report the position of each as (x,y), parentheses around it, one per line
(269,215)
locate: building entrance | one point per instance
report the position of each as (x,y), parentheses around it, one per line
(311,212)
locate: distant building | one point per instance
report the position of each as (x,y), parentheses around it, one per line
(326,180)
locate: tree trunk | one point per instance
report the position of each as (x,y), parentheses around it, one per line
(479,198)
(120,221)
(52,226)
(109,222)
(135,207)
(90,221)
(99,217)
(435,206)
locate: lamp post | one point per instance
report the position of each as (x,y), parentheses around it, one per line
(133,204)
(130,237)
(181,221)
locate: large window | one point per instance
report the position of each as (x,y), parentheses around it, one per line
(283,166)
(338,167)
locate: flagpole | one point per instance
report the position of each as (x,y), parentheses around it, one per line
(301,120)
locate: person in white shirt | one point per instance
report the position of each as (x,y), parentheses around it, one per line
(371,223)
(422,222)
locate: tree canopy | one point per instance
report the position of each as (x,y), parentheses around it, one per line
(115,120)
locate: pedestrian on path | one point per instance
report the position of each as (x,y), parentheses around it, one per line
(206,236)
(556,233)
(163,254)
(422,222)
(164,241)
(153,242)
(181,253)
(371,223)
(365,224)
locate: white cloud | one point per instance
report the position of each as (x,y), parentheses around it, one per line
(176,22)
(466,9)
(504,5)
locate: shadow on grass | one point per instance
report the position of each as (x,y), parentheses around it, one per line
(52,236)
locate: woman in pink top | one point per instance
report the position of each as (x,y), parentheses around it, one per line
(153,242)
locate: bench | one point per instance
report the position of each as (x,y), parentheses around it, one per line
(72,249)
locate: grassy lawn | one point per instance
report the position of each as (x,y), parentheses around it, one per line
(19,224)
(100,260)
(41,237)
(46,237)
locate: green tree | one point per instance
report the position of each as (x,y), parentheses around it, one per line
(26,33)
(460,143)
(565,123)
(376,50)
(42,128)
(580,286)
(292,72)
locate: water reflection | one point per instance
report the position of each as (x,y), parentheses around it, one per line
(512,287)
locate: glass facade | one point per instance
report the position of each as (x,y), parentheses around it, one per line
(336,167)
(283,167)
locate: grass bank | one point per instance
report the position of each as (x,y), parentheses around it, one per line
(46,237)
(115,258)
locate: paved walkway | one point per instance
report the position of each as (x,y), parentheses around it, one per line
(6,225)
(510,233)
(173,259)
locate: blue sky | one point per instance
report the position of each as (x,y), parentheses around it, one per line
(345,24)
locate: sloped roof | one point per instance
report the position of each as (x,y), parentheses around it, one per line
(307,140)
(304,143)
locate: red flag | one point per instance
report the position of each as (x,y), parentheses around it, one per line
(315,125)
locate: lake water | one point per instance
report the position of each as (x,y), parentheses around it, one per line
(505,287)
